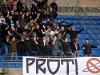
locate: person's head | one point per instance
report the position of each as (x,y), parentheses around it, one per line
(66,40)
(40,0)
(49,28)
(39,10)
(87,41)
(5,2)
(23,16)
(44,38)
(37,26)
(62,28)
(35,4)
(3,22)
(12,12)
(13,38)
(58,35)
(51,9)
(26,27)
(23,5)
(34,34)
(24,32)
(10,17)
(75,41)
(54,23)
(72,28)
(54,1)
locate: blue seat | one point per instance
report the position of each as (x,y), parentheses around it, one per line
(69,21)
(84,32)
(95,36)
(90,31)
(94,42)
(97,53)
(80,42)
(72,17)
(65,17)
(81,53)
(88,36)
(59,17)
(97,31)
(82,36)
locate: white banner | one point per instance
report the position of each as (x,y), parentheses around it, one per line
(61,66)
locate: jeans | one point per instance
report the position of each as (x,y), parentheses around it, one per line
(87,55)
(76,54)
(58,52)
(27,53)
(34,53)
(13,56)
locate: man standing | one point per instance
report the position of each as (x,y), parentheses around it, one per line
(54,5)
(87,48)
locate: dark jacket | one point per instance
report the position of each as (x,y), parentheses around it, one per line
(54,6)
(21,35)
(88,47)
(65,46)
(27,45)
(19,6)
(73,34)
(40,4)
(65,26)
(73,48)
(52,15)
(13,45)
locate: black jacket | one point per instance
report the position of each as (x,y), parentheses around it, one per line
(88,47)
(27,45)
(41,4)
(66,46)
(73,48)
(54,6)
(73,34)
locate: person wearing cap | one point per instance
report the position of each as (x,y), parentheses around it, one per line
(87,46)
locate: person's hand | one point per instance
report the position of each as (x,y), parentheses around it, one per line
(65,32)
(55,38)
(41,30)
(34,38)
(44,26)
(33,28)
(59,21)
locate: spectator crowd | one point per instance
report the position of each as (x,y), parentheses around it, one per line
(30,26)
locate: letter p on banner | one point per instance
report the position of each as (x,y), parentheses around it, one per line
(61,66)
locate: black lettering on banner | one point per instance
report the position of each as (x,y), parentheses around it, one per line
(28,63)
(76,65)
(48,65)
(38,66)
(67,61)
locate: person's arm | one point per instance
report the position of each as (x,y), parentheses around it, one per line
(61,40)
(93,46)
(63,35)
(18,34)
(69,25)
(30,32)
(80,31)
(78,47)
